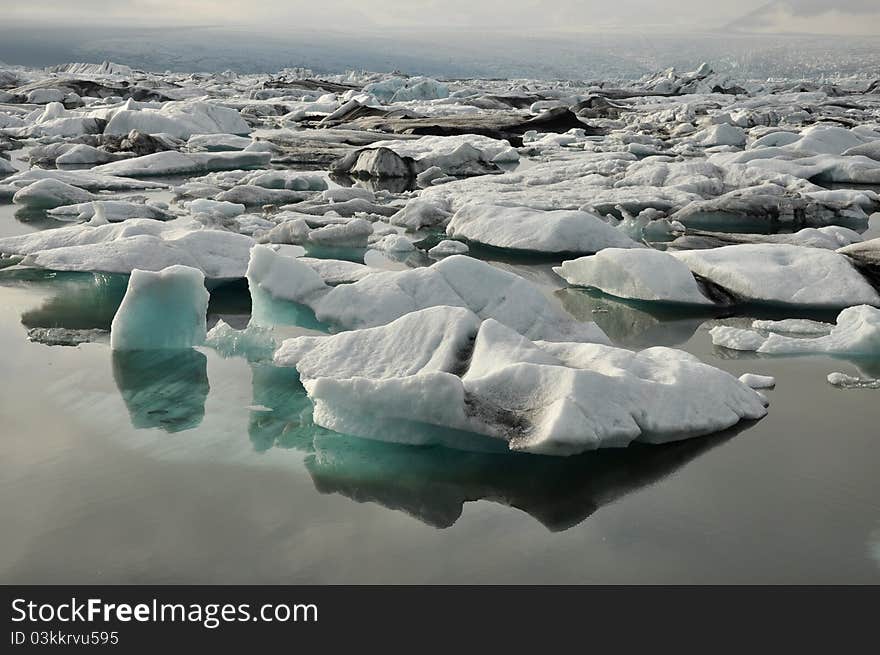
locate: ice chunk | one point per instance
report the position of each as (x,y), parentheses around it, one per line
(783,274)
(112,211)
(448,247)
(171,162)
(757,381)
(384,296)
(49,193)
(845,381)
(179,119)
(801,326)
(434,374)
(418,214)
(525,229)
(135,243)
(162,310)
(255,343)
(857,333)
(643,274)
(393,243)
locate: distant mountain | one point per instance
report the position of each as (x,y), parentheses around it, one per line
(811,17)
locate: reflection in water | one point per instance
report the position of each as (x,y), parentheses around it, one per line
(163,389)
(632,324)
(38,219)
(281,414)
(78,301)
(267,311)
(432,484)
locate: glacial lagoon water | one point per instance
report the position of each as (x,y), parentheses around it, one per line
(192,467)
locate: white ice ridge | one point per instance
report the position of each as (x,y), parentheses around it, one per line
(161,310)
(135,243)
(384,296)
(635,274)
(526,229)
(434,374)
(857,333)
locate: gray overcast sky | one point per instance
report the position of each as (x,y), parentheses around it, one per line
(818,16)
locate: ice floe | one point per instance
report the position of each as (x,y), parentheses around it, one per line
(531,230)
(135,243)
(857,332)
(454,374)
(639,275)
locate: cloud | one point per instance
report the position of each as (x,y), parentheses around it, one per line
(526,16)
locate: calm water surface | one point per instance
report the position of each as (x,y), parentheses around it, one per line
(200,468)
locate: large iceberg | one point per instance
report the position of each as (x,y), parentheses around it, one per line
(435,375)
(161,310)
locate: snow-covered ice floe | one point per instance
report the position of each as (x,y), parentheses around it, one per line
(639,275)
(383,296)
(437,374)
(135,243)
(783,274)
(857,333)
(534,230)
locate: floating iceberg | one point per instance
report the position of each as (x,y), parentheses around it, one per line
(171,162)
(179,119)
(636,274)
(135,243)
(532,230)
(783,274)
(162,310)
(454,374)
(857,333)
(384,296)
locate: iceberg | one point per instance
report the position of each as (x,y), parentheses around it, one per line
(135,243)
(161,310)
(857,332)
(533,230)
(783,274)
(383,296)
(454,374)
(170,162)
(179,119)
(644,274)
(50,193)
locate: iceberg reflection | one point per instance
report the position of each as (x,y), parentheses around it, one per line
(432,484)
(281,414)
(632,324)
(163,389)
